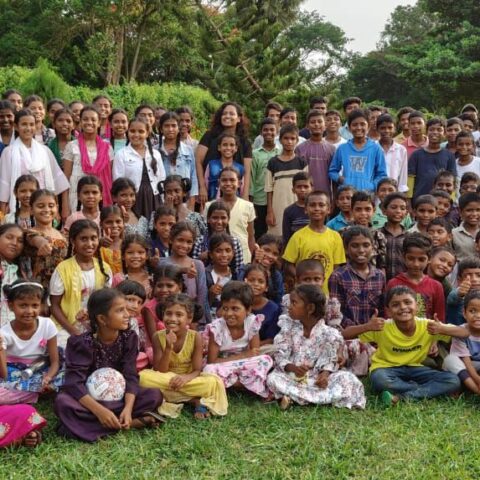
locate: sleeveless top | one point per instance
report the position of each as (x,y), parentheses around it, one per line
(181,362)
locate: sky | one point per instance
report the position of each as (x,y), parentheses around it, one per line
(362,21)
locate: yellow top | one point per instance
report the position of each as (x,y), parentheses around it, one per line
(395,349)
(181,362)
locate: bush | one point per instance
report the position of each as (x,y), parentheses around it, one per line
(44,81)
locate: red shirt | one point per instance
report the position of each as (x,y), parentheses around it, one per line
(411,146)
(430,296)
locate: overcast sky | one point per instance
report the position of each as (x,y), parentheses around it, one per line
(362,21)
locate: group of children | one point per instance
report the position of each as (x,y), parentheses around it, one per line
(194,267)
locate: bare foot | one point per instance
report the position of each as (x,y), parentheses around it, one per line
(285,402)
(32,440)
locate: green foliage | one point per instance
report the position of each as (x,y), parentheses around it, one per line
(45,82)
(268,50)
(429,56)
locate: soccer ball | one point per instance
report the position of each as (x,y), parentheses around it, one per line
(106,385)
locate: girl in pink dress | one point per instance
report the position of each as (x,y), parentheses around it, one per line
(20,425)
(234,342)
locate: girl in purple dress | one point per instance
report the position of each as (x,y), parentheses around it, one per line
(109,344)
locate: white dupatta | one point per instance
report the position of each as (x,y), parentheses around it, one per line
(35,160)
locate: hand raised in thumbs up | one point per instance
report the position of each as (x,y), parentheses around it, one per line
(376,323)
(435,327)
(217,288)
(192,271)
(154,259)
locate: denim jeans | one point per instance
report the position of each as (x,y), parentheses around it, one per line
(414,383)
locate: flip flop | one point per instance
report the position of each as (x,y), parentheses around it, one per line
(203,411)
(160,420)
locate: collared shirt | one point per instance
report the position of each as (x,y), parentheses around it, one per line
(396,160)
(463,243)
(345,132)
(359,297)
(394,258)
(338,223)
(184,165)
(260,159)
(400,138)
(379,246)
(411,146)
(379,219)
(129,163)
(201,245)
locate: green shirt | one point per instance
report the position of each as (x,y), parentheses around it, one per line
(379,220)
(259,167)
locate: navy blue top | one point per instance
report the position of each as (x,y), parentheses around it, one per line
(271,311)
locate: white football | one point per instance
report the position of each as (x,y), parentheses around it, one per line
(106,384)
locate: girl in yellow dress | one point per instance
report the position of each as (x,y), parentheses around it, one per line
(177,365)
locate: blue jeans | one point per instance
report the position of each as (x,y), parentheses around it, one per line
(414,383)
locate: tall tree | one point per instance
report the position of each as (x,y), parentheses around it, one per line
(264,49)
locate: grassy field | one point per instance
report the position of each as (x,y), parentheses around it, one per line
(428,440)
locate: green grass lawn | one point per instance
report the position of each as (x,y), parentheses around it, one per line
(435,439)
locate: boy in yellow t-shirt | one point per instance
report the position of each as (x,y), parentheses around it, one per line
(403,343)
(315,241)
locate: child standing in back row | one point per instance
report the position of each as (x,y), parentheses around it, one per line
(317,152)
(278,178)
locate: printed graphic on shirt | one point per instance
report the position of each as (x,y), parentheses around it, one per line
(357,163)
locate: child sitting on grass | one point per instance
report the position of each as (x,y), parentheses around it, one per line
(177,364)
(464,357)
(403,343)
(312,272)
(307,366)
(234,342)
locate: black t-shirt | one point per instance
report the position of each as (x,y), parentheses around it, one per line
(211,142)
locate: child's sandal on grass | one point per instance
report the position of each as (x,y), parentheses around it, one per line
(157,419)
(388,399)
(201,412)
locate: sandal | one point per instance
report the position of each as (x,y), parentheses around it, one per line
(35,438)
(201,412)
(157,419)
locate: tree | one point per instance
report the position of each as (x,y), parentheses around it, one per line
(427,58)
(267,49)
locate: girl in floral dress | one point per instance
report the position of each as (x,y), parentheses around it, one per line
(307,366)
(45,247)
(234,342)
